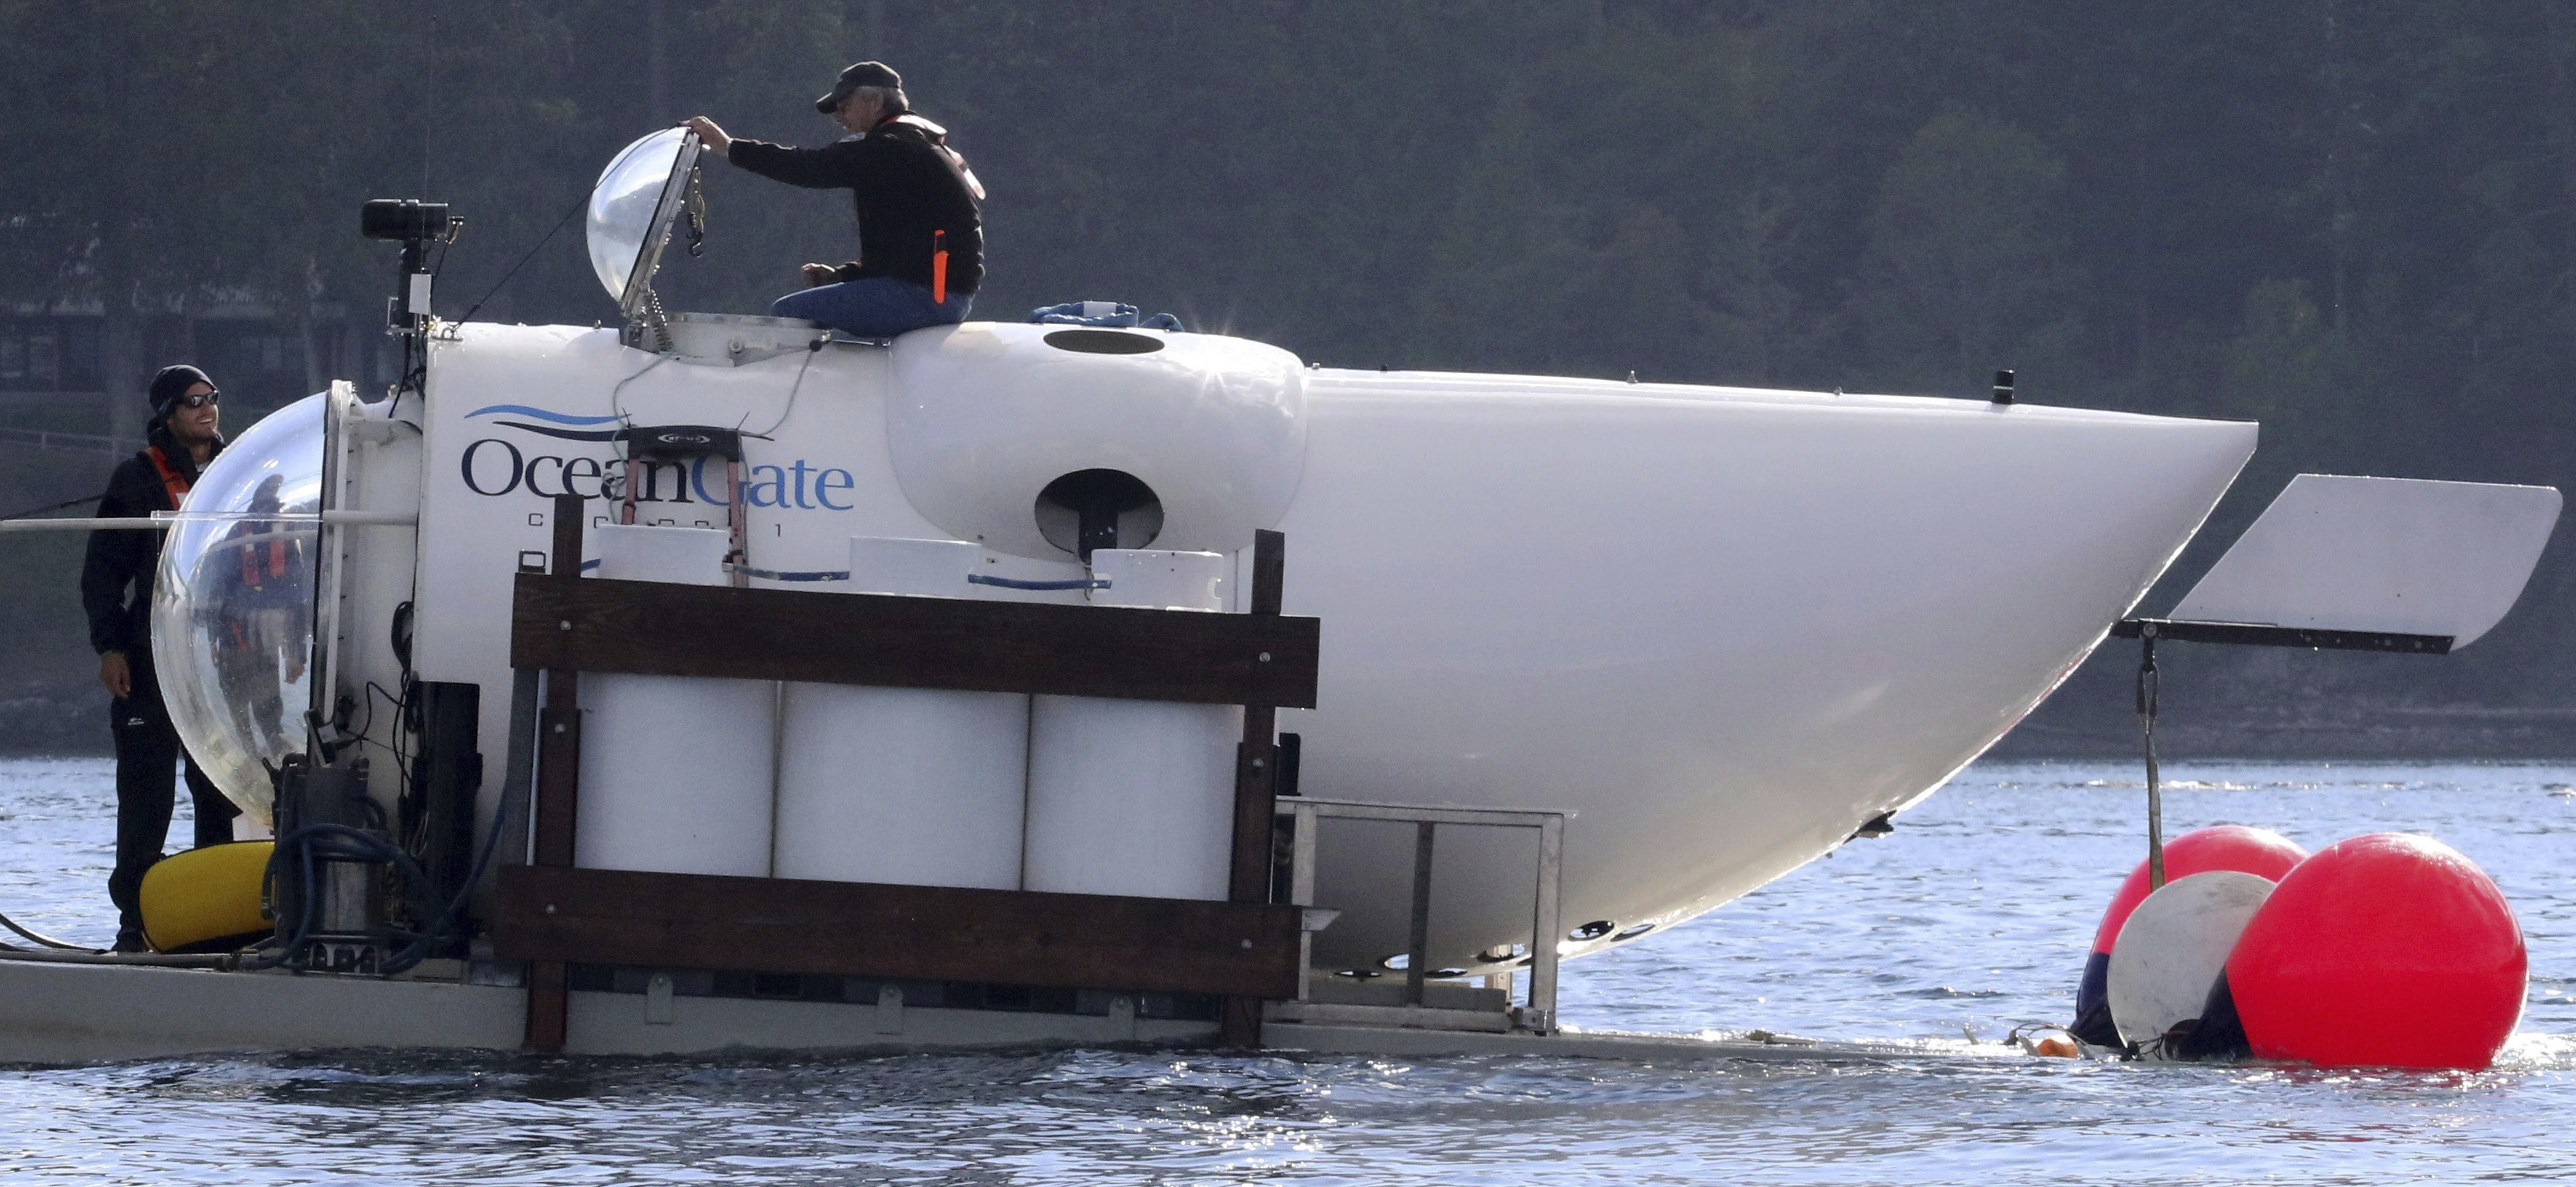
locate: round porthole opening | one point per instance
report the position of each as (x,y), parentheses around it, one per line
(1092,509)
(1593,930)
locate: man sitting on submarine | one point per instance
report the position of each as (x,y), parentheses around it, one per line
(921,237)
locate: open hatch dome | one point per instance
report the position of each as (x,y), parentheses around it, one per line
(638,198)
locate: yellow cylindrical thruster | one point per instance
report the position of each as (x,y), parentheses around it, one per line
(205,895)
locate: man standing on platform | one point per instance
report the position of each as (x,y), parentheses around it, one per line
(116,591)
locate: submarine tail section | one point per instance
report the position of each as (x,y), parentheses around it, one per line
(1724,626)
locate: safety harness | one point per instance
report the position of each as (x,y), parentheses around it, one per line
(938,137)
(956,161)
(176,486)
(252,577)
(170,479)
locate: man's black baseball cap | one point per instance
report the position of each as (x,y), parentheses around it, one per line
(860,74)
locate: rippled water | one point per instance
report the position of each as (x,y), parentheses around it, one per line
(1973,916)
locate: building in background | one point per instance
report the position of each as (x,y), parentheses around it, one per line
(54,371)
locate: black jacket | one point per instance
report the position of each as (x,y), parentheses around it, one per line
(903,186)
(116,576)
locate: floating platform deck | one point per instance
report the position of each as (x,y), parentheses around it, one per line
(59,1012)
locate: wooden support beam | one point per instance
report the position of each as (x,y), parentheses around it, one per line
(660,629)
(558,787)
(559,720)
(549,1004)
(1256,781)
(558,769)
(930,933)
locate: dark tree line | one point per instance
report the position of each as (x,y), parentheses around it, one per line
(2356,222)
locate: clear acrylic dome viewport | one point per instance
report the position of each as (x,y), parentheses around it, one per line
(630,209)
(232,613)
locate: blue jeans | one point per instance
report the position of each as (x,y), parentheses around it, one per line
(875,307)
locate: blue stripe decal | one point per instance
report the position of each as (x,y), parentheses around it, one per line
(542,414)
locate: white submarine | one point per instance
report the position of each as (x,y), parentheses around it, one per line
(1726,628)
(1704,634)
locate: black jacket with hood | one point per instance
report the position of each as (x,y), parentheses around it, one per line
(116,576)
(905,185)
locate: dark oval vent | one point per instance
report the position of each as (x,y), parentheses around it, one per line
(1104,342)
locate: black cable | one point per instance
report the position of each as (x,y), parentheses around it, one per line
(477,307)
(353,844)
(446,244)
(375,690)
(402,709)
(360,844)
(41,938)
(293,941)
(617,399)
(419,949)
(33,511)
(811,348)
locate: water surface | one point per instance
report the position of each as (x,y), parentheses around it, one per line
(1974,916)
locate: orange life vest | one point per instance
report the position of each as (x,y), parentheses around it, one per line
(177,488)
(170,479)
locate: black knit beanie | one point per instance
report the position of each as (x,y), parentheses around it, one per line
(172,383)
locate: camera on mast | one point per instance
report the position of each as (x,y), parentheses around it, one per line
(415,225)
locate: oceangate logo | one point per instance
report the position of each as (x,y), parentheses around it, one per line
(495,467)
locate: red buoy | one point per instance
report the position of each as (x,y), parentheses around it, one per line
(2390,950)
(2243,849)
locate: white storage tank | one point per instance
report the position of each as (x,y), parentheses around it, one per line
(926,787)
(676,772)
(1135,797)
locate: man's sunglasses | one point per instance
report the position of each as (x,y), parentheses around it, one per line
(198,401)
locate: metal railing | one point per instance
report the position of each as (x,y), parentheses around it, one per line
(160,520)
(1537,1015)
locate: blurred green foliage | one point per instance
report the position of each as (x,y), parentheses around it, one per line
(2356,222)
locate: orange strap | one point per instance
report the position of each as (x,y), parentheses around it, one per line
(176,486)
(939,267)
(252,576)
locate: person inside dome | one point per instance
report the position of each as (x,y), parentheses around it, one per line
(263,598)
